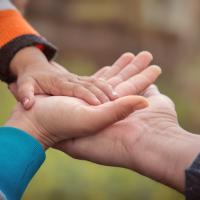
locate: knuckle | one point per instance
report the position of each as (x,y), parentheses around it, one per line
(21,90)
(86,84)
(92,80)
(145,79)
(106,68)
(77,89)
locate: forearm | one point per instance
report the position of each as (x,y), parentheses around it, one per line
(16,34)
(178,153)
(168,156)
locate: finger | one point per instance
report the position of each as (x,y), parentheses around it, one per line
(152,90)
(141,61)
(111,112)
(64,88)
(102,85)
(115,111)
(124,60)
(139,82)
(101,72)
(99,87)
(13,88)
(25,93)
(101,96)
(106,88)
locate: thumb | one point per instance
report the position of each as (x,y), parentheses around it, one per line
(13,88)
(25,93)
(111,112)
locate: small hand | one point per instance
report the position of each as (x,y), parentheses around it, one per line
(35,75)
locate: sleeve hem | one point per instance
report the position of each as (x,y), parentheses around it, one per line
(8,51)
(21,156)
(192,184)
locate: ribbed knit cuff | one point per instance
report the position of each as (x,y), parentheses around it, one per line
(192,191)
(8,51)
(20,158)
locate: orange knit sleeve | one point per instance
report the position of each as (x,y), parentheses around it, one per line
(13,25)
(15,34)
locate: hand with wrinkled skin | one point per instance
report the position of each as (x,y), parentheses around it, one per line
(149,141)
(78,113)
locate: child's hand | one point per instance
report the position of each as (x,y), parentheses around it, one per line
(35,75)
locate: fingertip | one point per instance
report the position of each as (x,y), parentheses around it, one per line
(141,105)
(139,102)
(128,55)
(147,54)
(136,102)
(94,102)
(157,69)
(28,103)
(25,102)
(115,95)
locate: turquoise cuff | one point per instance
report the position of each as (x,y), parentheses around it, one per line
(20,158)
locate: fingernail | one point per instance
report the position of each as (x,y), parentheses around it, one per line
(96,101)
(141,105)
(26,101)
(115,94)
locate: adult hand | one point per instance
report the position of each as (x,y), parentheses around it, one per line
(78,113)
(56,118)
(149,141)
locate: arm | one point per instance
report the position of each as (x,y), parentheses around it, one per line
(20,157)
(17,34)
(24,58)
(192,184)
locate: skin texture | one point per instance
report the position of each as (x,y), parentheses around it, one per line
(118,135)
(35,75)
(78,113)
(56,118)
(149,141)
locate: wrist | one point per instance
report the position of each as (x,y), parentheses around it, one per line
(185,149)
(27,126)
(172,151)
(26,57)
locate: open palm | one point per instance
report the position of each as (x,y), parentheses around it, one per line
(130,142)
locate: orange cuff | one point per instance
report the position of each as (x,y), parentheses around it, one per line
(13,25)
(15,34)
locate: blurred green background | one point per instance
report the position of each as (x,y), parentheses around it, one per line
(93,33)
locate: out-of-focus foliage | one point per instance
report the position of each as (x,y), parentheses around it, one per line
(93,33)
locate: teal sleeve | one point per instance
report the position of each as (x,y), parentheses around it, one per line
(20,158)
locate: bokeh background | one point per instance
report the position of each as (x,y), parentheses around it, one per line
(93,33)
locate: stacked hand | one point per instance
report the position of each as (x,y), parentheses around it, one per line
(36,76)
(148,140)
(55,118)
